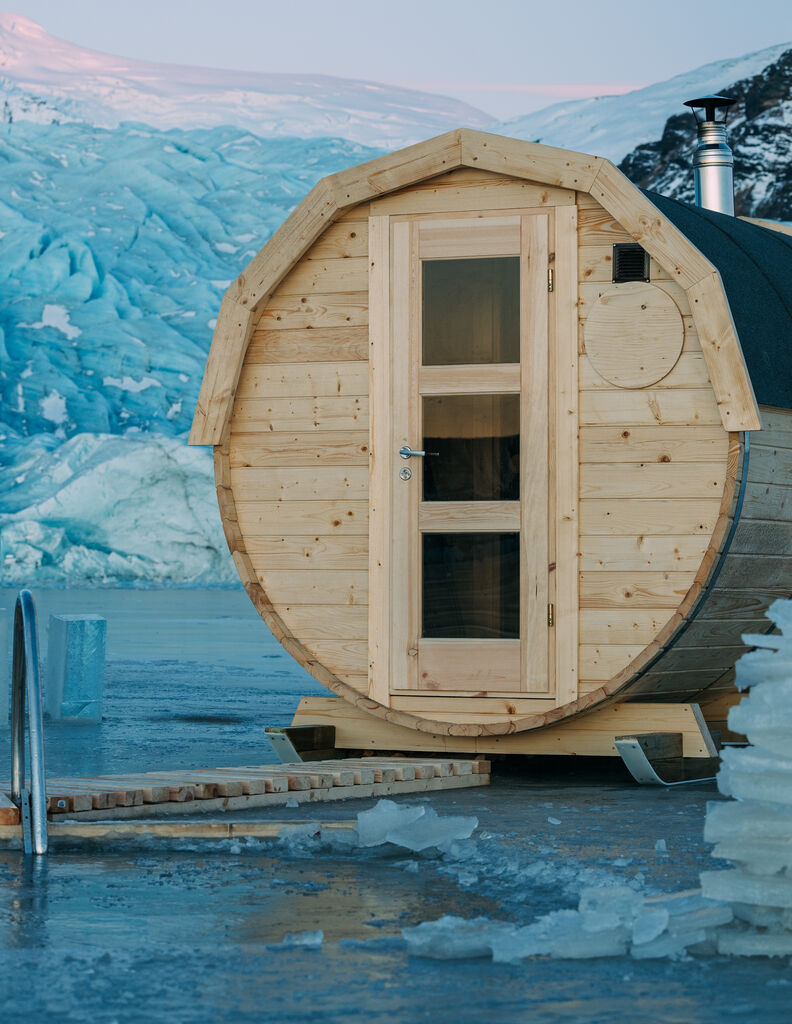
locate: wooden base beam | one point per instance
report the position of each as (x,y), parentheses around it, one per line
(592,734)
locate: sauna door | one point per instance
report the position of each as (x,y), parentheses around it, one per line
(459,532)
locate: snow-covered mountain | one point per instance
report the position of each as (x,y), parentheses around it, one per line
(612,126)
(760,135)
(46,79)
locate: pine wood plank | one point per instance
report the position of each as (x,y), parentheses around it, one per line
(477,666)
(602,661)
(315,586)
(380,430)
(559,168)
(598,227)
(460,708)
(347,656)
(690,371)
(456,193)
(318,276)
(322,483)
(642,589)
(393,171)
(652,480)
(691,406)
(659,516)
(566,492)
(499,378)
(613,626)
(620,443)
(345,239)
(262,415)
(454,239)
(534,664)
(404,341)
(325,622)
(624,553)
(308,345)
(231,335)
(332,309)
(303,380)
(336,552)
(319,448)
(295,518)
(721,348)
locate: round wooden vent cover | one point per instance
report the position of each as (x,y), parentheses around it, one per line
(634,335)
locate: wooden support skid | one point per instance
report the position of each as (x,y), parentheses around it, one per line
(223,789)
(592,734)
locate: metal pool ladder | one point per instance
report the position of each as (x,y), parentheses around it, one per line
(26,688)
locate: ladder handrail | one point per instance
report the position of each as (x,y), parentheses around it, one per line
(26,683)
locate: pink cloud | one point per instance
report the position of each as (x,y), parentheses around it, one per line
(570,90)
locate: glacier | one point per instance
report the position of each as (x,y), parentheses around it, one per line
(116,246)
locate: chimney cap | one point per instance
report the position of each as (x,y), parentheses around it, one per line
(709,104)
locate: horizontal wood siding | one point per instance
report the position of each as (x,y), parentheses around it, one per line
(653,469)
(755,572)
(298,452)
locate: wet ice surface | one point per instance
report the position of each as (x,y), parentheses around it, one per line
(192,932)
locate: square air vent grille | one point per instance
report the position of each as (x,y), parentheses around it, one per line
(630,263)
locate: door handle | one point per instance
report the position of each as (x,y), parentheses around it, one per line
(407,452)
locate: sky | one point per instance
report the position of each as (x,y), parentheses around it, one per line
(507,57)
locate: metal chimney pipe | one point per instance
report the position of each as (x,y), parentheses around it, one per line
(713,161)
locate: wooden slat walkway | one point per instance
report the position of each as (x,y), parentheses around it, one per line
(109,797)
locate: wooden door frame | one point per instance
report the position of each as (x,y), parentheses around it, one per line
(558,427)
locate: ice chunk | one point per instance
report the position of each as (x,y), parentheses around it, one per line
(649,923)
(753,943)
(413,826)
(304,940)
(661,846)
(292,802)
(456,938)
(667,945)
(432,830)
(562,934)
(374,825)
(739,885)
(613,901)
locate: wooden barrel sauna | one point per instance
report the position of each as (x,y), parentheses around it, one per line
(600,381)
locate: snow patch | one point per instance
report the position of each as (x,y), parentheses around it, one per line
(57,317)
(130,384)
(53,408)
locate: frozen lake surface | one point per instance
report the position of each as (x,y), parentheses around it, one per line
(188,932)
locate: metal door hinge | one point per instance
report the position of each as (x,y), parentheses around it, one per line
(550,278)
(551,615)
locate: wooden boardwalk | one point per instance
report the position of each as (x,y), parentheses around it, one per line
(149,794)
